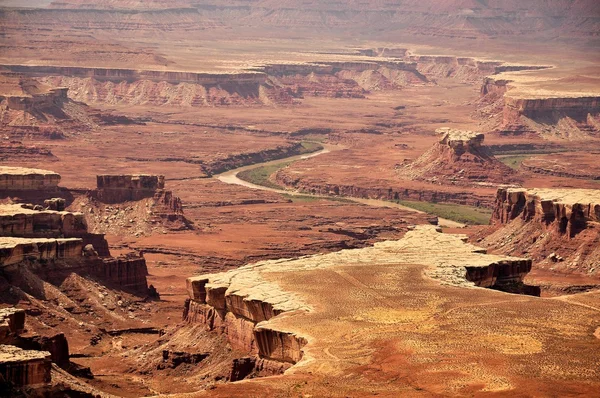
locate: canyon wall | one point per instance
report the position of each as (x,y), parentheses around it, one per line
(21,179)
(558,228)
(551,108)
(127,272)
(390,193)
(33,102)
(14,251)
(237,313)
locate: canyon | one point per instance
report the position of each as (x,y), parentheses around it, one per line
(232,198)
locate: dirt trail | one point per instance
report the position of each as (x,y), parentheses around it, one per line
(231,177)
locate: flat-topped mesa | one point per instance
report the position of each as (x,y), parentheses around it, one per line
(24,179)
(113,189)
(126,188)
(459,158)
(567,211)
(248,305)
(551,107)
(558,228)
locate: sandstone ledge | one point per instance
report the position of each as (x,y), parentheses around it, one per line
(19,178)
(244,303)
(16,250)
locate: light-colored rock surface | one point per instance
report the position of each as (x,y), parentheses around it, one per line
(19,221)
(405,310)
(241,299)
(19,178)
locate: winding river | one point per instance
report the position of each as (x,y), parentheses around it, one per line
(231,177)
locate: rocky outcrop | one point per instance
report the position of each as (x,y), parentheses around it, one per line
(550,111)
(21,221)
(12,322)
(24,367)
(559,228)
(22,179)
(17,220)
(237,310)
(459,158)
(248,306)
(14,251)
(127,272)
(126,188)
(115,189)
(566,211)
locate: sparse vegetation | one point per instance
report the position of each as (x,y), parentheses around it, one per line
(310,146)
(260,175)
(513,161)
(459,213)
(308,198)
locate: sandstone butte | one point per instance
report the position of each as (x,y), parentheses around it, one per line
(459,157)
(405,317)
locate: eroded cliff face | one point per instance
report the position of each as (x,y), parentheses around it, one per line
(126,188)
(559,228)
(22,179)
(550,113)
(250,307)
(145,194)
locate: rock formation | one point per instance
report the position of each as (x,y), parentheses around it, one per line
(24,367)
(125,188)
(55,243)
(242,303)
(119,189)
(558,228)
(23,179)
(556,110)
(459,158)
(29,362)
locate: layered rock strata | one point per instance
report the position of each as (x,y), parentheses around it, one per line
(459,158)
(18,250)
(125,188)
(114,189)
(559,228)
(24,367)
(17,220)
(23,179)
(243,303)
(553,111)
